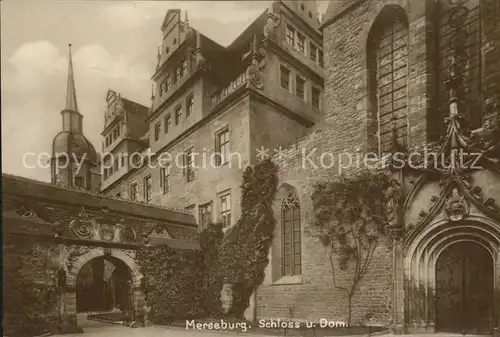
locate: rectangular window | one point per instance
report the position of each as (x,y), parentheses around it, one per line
(168,83)
(225,210)
(205,215)
(165,179)
(178,114)
(133,191)
(148,189)
(184,67)
(222,146)
(301,41)
(285,77)
(300,84)
(320,58)
(189,105)
(162,88)
(118,131)
(79,181)
(189,164)
(167,123)
(122,159)
(290,35)
(157,131)
(178,74)
(313,52)
(315,97)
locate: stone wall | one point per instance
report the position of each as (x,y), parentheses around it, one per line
(325,152)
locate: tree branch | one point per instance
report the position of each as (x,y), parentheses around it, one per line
(332,264)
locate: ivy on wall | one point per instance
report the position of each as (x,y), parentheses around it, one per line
(182,284)
(243,257)
(30,289)
(350,215)
(173,283)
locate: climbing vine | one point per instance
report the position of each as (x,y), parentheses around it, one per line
(30,289)
(172,282)
(243,256)
(350,215)
(181,284)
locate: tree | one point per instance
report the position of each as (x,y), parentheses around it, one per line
(349,220)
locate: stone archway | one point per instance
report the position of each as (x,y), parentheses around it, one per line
(420,263)
(70,309)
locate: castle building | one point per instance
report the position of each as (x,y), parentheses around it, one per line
(374,77)
(213,106)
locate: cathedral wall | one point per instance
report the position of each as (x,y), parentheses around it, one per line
(331,149)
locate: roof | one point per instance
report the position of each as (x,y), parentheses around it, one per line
(48,212)
(73,143)
(29,189)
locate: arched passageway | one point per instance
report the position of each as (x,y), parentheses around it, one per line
(104,284)
(103,280)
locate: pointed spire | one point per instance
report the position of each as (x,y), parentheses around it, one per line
(71,103)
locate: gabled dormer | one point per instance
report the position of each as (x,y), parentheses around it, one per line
(114,108)
(175,32)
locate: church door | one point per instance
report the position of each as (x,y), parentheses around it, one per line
(464,289)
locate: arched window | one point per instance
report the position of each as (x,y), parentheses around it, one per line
(291,259)
(388,79)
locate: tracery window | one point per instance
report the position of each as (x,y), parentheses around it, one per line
(462,34)
(291,236)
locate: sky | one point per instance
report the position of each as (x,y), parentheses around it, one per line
(114,46)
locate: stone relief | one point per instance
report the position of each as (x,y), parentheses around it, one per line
(101,229)
(456,207)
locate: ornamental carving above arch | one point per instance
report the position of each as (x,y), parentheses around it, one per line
(101,229)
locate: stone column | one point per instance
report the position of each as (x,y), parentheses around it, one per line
(399,324)
(70,310)
(139,305)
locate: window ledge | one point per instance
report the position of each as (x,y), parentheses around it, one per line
(287,280)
